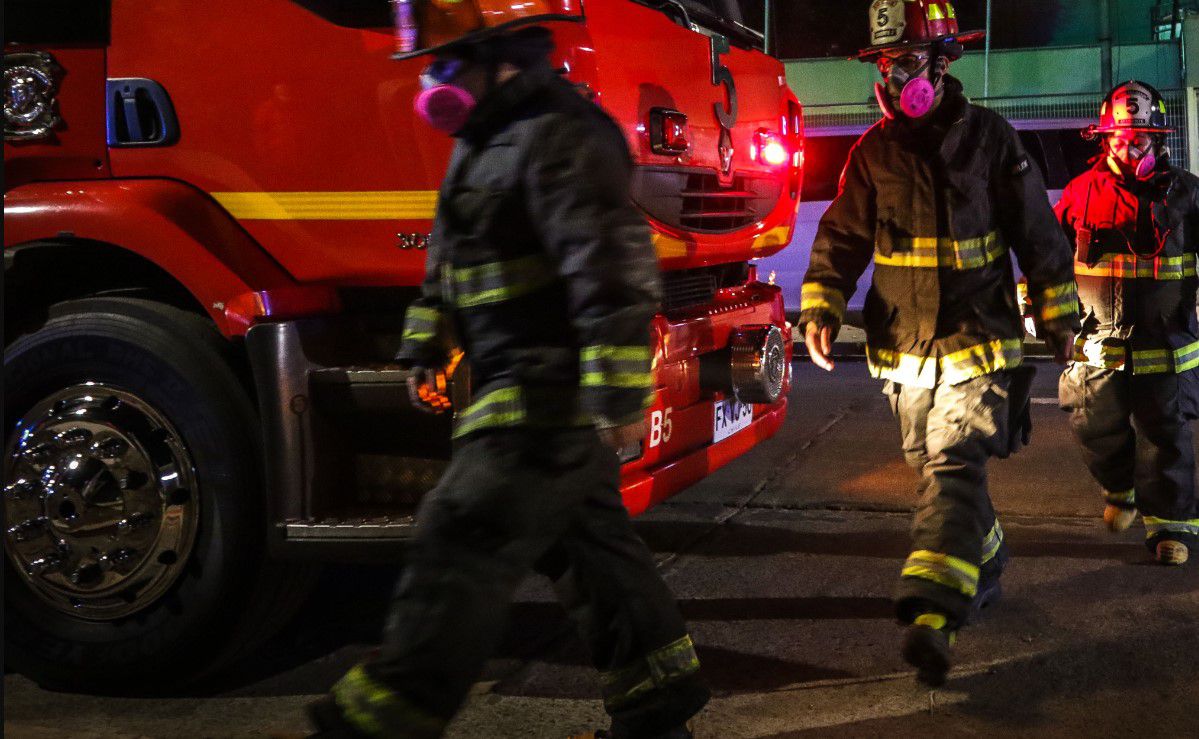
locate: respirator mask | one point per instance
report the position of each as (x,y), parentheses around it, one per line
(917,94)
(1140,156)
(441,103)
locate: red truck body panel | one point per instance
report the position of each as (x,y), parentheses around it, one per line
(299,164)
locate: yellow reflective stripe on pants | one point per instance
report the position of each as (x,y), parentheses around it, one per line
(1129,266)
(992,542)
(932,252)
(1155,526)
(499,281)
(943,569)
(953,368)
(660,667)
(1056,301)
(377,711)
(616,366)
(420,323)
(1127,498)
(814,296)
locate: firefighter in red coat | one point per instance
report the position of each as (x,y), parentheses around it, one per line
(1131,389)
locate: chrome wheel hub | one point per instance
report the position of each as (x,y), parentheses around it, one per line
(101,505)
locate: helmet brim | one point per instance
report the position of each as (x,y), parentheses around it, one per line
(483,34)
(1134,129)
(870,53)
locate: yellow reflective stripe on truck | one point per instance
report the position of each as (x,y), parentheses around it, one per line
(367,205)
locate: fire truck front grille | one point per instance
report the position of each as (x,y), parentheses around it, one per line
(694,200)
(690,287)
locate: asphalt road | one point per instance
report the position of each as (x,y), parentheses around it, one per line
(783,563)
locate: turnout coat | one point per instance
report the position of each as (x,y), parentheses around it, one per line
(937,208)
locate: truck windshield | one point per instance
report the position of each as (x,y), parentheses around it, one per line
(743,21)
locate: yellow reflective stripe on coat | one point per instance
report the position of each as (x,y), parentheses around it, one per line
(420,323)
(1155,526)
(499,281)
(1112,354)
(616,366)
(959,366)
(660,667)
(508,407)
(814,296)
(932,252)
(498,408)
(1155,361)
(1056,301)
(943,569)
(376,710)
(1100,353)
(992,542)
(1130,266)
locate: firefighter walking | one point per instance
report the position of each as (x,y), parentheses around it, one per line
(1132,387)
(541,269)
(935,195)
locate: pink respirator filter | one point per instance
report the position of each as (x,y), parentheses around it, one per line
(444,107)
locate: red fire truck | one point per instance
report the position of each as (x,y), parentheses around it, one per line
(215,214)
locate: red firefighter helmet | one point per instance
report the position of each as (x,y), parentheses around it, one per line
(426,26)
(898,24)
(1132,106)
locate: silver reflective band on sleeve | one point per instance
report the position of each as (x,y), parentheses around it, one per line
(815,296)
(615,366)
(1057,301)
(420,323)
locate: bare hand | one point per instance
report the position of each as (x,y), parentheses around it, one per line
(619,437)
(427,390)
(1061,343)
(820,345)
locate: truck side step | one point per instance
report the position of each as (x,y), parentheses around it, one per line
(379,390)
(331,529)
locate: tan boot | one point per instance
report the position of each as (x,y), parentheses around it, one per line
(1118,519)
(1170,552)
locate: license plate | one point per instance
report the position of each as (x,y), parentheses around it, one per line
(729,417)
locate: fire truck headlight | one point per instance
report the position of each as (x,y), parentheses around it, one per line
(770,149)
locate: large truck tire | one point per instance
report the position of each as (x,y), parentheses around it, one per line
(134,515)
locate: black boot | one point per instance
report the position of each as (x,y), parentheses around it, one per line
(329,721)
(928,646)
(990,590)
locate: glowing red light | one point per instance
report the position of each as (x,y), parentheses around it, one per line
(774,153)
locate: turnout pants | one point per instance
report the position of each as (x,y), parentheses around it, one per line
(1136,439)
(512,501)
(949,432)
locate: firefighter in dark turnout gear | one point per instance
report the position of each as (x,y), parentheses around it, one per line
(935,195)
(1132,388)
(540,268)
